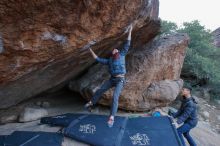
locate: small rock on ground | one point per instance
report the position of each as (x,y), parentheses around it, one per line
(31,114)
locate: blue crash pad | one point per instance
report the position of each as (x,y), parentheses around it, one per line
(60,120)
(2,139)
(93,130)
(27,138)
(154,131)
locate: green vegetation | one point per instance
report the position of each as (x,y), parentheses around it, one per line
(202,63)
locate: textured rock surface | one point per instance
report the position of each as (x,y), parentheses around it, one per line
(8,119)
(44,41)
(152,78)
(216,36)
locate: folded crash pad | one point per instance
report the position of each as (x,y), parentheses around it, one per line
(27,138)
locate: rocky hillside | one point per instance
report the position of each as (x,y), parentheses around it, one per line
(216,36)
(44,44)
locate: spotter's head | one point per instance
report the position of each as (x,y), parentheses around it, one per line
(186,91)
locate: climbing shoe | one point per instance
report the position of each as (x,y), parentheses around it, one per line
(110,122)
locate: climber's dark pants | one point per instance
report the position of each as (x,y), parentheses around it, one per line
(185,129)
(116,82)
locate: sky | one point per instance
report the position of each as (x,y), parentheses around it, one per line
(179,11)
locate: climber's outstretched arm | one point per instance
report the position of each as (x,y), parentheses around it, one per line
(93,54)
(126,45)
(129,34)
(100,60)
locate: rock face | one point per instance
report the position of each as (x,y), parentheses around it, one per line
(43,44)
(216,36)
(152,78)
(8,119)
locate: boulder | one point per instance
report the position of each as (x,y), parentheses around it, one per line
(32,114)
(153,78)
(43,44)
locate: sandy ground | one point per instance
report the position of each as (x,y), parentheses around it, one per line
(62,103)
(204,135)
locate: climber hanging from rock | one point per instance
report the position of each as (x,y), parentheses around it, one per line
(116,65)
